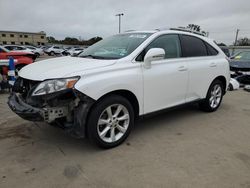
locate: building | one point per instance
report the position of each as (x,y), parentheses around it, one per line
(22,38)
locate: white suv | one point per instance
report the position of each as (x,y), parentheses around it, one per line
(100,93)
(54,50)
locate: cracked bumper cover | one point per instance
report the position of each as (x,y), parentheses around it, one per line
(24,110)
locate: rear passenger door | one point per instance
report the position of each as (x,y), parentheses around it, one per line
(201,63)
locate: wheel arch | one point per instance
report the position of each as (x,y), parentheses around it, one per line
(130,96)
(224,82)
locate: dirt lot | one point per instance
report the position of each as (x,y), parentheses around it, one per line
(180,148)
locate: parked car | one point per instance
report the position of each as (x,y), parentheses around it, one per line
(102,91)
(37,51)
(240,67)
(225,50)
(76,51)
(18,48)
(23,58)
(241,61)
(54,50)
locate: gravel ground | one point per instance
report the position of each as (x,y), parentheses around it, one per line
(180,148)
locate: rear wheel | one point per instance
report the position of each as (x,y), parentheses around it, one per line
(110,121)
(52,53)
(214,97)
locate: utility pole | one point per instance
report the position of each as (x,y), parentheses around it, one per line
(235,42)
(236,37)
(119,15)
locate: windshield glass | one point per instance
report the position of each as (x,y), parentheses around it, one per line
(115,47)
(243,56)
(3,49)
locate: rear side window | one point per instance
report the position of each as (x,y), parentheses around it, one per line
(192,46)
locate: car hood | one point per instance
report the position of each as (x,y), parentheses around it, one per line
(61,67)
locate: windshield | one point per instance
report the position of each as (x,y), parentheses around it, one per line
(243,56)
(3,49)
(115,47)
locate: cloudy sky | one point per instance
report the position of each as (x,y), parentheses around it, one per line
(89,18)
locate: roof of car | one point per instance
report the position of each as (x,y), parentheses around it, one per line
(169,30)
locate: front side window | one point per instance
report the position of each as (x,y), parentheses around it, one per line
(170,43)
(115,47)
(193,46)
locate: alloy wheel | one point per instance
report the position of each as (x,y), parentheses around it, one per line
(113,123)
(215,96)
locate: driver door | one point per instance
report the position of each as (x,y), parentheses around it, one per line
(165,83)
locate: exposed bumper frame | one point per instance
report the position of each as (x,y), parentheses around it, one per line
(24,110)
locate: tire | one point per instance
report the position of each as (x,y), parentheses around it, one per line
(37,55)
(214,97)
(230,87)
(52,53)
(107,129)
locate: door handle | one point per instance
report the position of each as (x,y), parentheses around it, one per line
(213,65)
(182,68)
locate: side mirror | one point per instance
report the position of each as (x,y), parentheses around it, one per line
(154,54)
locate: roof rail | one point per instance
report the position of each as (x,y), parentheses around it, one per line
(129,30)
(162,29)
(202,33)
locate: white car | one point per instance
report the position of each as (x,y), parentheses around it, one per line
(54,50)
(101,92)
(76,51)
(37,51)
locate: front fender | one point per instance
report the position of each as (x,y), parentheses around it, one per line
(97,85)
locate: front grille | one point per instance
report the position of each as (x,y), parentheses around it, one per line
(24,86)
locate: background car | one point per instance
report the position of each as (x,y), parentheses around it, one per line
(23,58)
(240,67)
(76,51)
(240,62)
(225,50)
(54,50)
(37,51)
(18,48)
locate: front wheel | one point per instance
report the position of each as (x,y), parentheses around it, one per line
(214,97)
(110,121)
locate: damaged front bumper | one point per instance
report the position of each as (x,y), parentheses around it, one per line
(72,116)
(24,110)
(28,112)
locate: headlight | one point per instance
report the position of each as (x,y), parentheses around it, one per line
(52,86)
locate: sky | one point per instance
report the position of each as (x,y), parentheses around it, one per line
(85,19)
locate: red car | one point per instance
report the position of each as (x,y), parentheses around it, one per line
(23,58)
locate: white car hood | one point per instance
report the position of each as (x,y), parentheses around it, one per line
(61,67)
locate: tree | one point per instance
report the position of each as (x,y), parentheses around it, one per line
(197,28)
(51,39)
(243,42)
(194,27)
(74,41)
